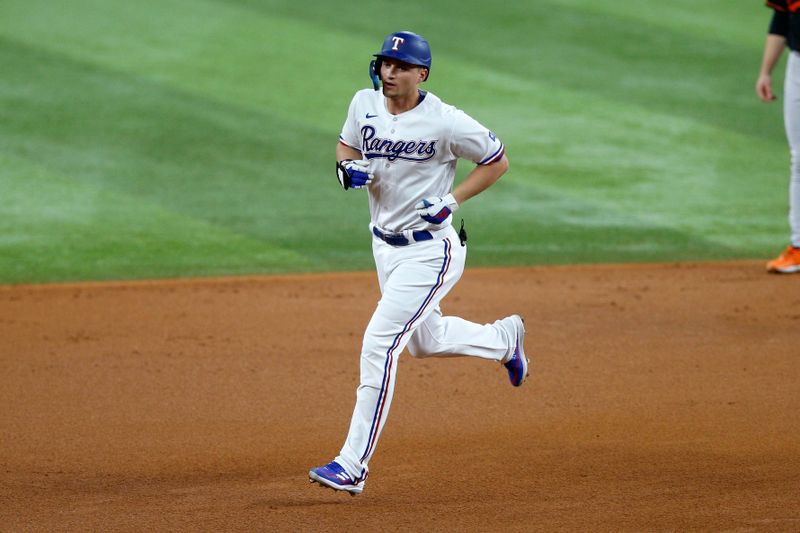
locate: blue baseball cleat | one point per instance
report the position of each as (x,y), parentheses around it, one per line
(517,366)
(333,476)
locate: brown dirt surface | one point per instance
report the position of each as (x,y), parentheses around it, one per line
(662,398)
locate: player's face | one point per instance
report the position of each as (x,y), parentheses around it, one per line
(400,79)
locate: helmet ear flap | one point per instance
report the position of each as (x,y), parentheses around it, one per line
(375,72)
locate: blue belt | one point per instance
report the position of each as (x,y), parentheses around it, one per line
(398,239)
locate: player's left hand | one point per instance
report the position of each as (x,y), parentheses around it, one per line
(436,210)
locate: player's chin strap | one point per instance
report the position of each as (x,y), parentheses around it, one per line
(376,81)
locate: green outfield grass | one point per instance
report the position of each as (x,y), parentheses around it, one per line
(186,137)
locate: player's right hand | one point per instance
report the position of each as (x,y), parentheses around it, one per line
(764,88)
(353,174)
(435,210)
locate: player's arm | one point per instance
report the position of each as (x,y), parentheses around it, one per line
(481,178)
(436,210)
(351,171)
(773,48)
(344,151)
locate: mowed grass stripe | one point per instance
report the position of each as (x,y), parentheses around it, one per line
(47,221)
(714,20)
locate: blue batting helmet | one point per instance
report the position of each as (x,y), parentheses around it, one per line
(405,46)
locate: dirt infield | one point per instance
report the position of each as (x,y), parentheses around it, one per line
(662,398)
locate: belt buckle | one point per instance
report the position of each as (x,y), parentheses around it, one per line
(398,239)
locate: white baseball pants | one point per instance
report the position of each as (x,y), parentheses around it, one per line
(413,280)
(791,120)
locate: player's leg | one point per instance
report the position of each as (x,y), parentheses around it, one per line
(449,336)
(789,260)
(792,122)
(417,279)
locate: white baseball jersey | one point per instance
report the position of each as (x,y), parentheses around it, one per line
(413,155)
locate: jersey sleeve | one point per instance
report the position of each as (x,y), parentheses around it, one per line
(471,140)
(349,134)
(779,25)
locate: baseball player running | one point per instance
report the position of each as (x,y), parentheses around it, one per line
(401,144)
(785,30)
